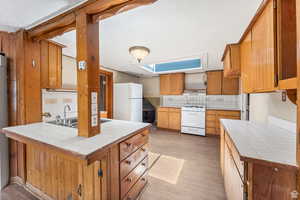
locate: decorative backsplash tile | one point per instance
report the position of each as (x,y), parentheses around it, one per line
(201,99)
(54,102)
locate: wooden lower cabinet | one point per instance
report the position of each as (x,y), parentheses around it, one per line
(252,179)
(116,172)
(133,168)
(212,119)
(169,118)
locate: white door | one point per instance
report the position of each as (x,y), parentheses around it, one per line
(136,110)
(193,119)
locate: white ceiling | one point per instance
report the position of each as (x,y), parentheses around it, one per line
(172,29)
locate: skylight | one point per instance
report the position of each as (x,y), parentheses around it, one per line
(174,66)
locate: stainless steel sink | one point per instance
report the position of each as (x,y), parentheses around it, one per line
(72,122)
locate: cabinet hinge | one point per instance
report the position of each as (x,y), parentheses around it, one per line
(294,194)
(100,172)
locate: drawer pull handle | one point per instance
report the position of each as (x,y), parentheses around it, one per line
(144,164)
(129,180)
(143,135)
(128,162)
(143,149)
(143,179)
(128,144)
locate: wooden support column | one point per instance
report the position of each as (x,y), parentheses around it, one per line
(88,76)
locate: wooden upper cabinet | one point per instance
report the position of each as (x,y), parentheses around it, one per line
(246,64)
(231,61)
(263,51)
(214,82)
(230,86)
(268,48)
(219,85)
(172,84)
(164,84)
(51,65)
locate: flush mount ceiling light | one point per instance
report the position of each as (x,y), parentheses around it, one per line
(139,52)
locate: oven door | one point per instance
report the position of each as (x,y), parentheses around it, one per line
(193,119)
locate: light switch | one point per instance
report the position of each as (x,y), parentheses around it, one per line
(82,65)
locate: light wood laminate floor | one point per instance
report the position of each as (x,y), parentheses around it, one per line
(199,179)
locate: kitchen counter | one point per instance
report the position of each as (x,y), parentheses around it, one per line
(263,142)
(66,139)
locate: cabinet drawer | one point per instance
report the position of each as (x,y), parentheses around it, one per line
(210,130)
(210,117)
(177,110)
(132,144)
(163,109)
(229,113)
(133,177)
(210,112)
(137,188)
(210,124)
(132,161)
(235,156)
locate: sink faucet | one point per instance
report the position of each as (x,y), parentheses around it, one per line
(67,107)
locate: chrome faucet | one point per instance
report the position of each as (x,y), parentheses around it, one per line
(67,106)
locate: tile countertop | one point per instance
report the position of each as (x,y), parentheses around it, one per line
(66,138)
(262,141)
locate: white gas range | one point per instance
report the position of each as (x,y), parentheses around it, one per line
(193,120)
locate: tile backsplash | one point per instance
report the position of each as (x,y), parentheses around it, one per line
(210,101)
(54,102)
(223,101)
(181,100)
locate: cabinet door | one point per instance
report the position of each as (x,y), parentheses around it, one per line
(54,66)
(246,64)
(263,50)
(163,119)
(175,119)
(227,64)
(44,64)
(164,84)
(271,183)
(233,184)
(176,83)
(230,86)
(214,82)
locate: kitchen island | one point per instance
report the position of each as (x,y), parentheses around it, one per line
(55,163)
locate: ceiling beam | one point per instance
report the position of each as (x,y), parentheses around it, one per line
(121,8)
(59,24)
(56,32)
(98,8)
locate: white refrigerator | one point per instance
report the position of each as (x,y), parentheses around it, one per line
(4,166)
(128,102)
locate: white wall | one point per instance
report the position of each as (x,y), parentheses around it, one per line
(270,104)
(150,86)
(69,72)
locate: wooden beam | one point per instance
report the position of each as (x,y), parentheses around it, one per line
(121,8)
(88,83)
(53,25)
(66,21)
(56,32)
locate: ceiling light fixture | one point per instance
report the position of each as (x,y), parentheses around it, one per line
(139,52)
